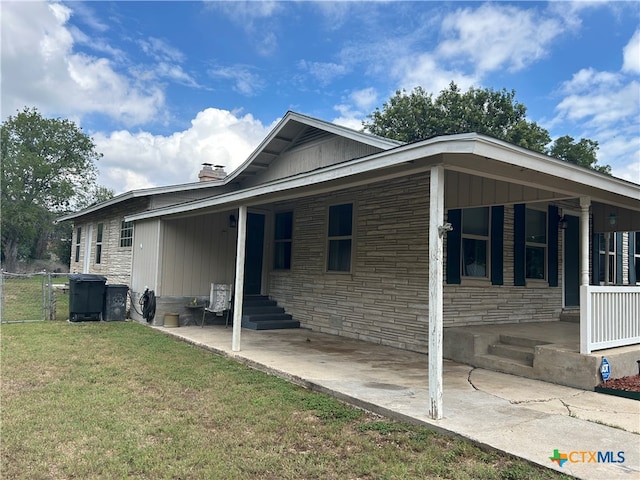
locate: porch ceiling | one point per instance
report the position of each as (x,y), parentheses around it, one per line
(549,185)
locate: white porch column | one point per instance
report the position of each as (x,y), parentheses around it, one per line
(585,331)
(239,285)
(585,203)
(436,220)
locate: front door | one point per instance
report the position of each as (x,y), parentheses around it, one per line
(254,254)
(572,262)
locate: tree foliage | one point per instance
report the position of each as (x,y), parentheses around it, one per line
(418,115)
(48,168)
(582,153)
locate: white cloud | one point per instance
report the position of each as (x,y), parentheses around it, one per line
(324,72)
(365,99)
(141,160)
(605,106)
(426,71)
(38,51)
(356,107)
(493,37)
(631,54)
(161,50)
(244,80)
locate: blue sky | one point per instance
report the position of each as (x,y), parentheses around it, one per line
(164,86)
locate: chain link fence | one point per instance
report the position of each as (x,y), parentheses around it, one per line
(34,297)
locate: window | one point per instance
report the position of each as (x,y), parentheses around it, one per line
(78,237)
(475,241)
(536,244)
(126,234)
(283,234)
(99,243)
(602,242)
(340,236)
(637,255)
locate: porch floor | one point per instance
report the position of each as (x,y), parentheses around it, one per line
(548,351)
(524,417)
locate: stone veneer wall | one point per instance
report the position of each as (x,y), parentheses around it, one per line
(115,261)
(478,302)
(385,298)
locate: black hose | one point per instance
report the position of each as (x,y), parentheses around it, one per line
(148,302)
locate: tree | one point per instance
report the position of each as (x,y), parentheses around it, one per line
(48,167)
(582,153)
(414,116)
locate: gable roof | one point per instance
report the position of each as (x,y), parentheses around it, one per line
(295,129)
(501,161)
(141,193)
(292,130)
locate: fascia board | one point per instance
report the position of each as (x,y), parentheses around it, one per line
(362,165)
(513,155)
(463,143)
(145,192)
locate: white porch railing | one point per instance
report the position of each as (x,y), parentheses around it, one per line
(609,317)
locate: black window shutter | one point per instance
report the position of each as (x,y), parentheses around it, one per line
(632,258)
(552,256)
(454,239)
(519,244)
(497,245)
(618,237)
(595,259)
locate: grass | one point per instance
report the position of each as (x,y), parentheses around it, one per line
(120,400)
(23,298)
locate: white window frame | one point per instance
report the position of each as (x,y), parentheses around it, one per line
(470,236)
(99,240)
(282,241)
(636,255)
(78,240)
(531,244)
(126,228)
(350,237)
(612,259)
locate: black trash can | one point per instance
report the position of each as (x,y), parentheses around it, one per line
(86,297)
(115,303)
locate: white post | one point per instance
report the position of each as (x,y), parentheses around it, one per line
(239,286)
(607,265)
(436,220)
(585,311)
(585,203)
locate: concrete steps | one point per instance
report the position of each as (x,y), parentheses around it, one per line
(261,313)
(510,354)
(570,315)
(518,354)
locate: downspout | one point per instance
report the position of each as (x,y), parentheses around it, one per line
(239,285)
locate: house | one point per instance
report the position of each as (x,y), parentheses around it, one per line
(364,237)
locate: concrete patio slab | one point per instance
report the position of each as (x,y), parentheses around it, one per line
(527,418)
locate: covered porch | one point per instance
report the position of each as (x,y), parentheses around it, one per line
(547,351)
(388,283)
(524,417)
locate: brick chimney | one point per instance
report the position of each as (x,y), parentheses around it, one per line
(208,173)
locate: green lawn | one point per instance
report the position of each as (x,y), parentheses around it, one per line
(24,298)
(120,400)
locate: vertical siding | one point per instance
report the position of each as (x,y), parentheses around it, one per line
(145,255)
(311,156)
(196,252)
